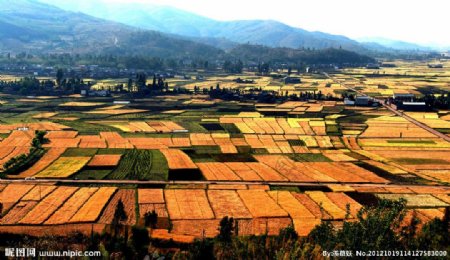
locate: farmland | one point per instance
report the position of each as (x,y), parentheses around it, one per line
(192,159)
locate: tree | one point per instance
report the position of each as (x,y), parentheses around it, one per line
(226,229)
(140,240)
(59,77)
(119,216)
(151,219)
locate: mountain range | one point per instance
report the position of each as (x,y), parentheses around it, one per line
(28,25)
(131,30)
(265,32)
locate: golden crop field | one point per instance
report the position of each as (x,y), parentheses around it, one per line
(63,167)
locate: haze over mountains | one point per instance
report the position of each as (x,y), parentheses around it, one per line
(266,32)
(147,31)
(27,25)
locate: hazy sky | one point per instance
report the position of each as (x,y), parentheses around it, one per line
(420,21)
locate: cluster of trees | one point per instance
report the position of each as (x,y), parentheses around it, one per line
(139,84)
(441,101)
(250,52)
(261,95)
(233,67)
(33,86)
(27,86)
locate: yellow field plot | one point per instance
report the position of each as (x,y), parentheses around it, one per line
(228,149)
(173,112)
(92,209)
(188,204)
(444,197)
(91,141)
(288,128)
(239,141)
(217,171)
(46,207)
(416,200)
(343,201)
(311,172)
(244,171)
(340,188)
(30,100)
(116,111)
(122,127)
(432,213)
(389,130)
(202,139)
(310,141)
(142,126)
(386,167)
(260,204)
(430,119)
(17,212)
(410,143)
(291,104)
(339,157)
(265,171)
(253,124)
(317,123)
(163,234)
(351,132)
(38,192)
(290,204)
(262,123)
(71,206)
(244,128)
(439,175)
(324,141)
(177,159)
(227,203)
(304,226)
(284,147)
(111,107)
(372,156)
(115,140)
(171,125)
(146,143)
(18,139)
(253,141)
(294,122)
(322,200)
(81,104)
(64,167)
(12,194)
(315,109)
(180,142)
(250,114)
(151,196)
(44,115)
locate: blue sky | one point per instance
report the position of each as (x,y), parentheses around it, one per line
(419,21)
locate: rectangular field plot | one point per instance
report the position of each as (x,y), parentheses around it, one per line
(64,167)
(92,209)
(188,204)
(227,203)
(48,206)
